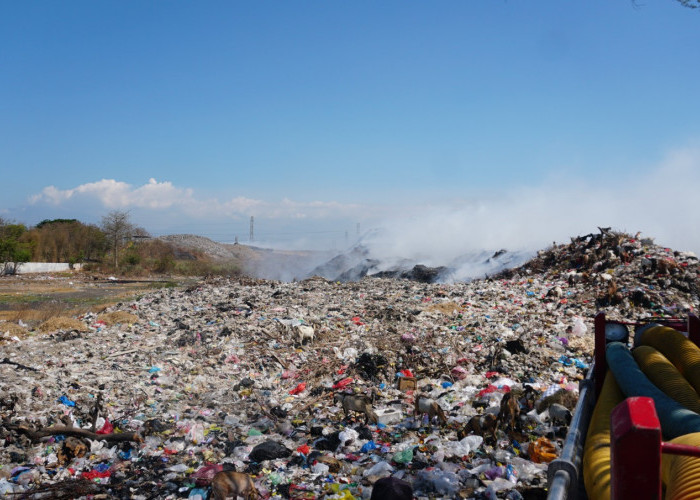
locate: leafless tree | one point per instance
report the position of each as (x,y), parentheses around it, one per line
(118,229)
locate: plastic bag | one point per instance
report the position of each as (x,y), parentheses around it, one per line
(298,389)
(436,481)
(378,469)
(579,329)
(542,450)
(404,456)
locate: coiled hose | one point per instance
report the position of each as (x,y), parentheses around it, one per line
(674,418)
(679,350)
(656,379)
(596,452)
(681,474)
(664,375)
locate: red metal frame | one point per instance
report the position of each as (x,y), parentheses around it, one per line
(600,367)
(635,431)
(635,444)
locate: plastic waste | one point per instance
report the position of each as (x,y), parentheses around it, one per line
(348,436)
(204,475)
(464,446)
(320,468)
(198,494)
(196,433)
(66,401)
(107,428)
(525,469)
(368,446)
(269,450)
(542,450)
(459,373)
(298,389)
(6,488)
(403,457)
(497,485)
(378,469)
(343,383)
(178,468)
(436,481)
(579,328)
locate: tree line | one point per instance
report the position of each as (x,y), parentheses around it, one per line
(69,240)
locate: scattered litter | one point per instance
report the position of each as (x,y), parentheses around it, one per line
(158,397)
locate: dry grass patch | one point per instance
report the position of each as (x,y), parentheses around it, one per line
(443,307)
(116,317)
(8,329)
(62,323)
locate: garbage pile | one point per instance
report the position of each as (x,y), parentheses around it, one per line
(317,389)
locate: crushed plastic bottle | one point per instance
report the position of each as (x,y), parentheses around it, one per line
(403,457)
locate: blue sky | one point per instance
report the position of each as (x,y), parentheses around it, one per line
(466,123)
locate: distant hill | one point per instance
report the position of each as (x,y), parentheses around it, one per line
(267,263)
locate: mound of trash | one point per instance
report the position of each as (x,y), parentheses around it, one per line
(317,388)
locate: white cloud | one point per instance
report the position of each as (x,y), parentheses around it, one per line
(661,201)
(159,196)
(115,194)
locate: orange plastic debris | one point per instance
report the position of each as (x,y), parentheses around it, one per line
(542,450)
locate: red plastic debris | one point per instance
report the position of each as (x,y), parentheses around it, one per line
(406,373)
(459,373)
(342,383)
(94,474)
(488,390)
(204,475)
(304,449)
(299,388)
(107,428)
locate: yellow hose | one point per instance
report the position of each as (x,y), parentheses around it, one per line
(666,376)
(681,474)
(679,350)
(596,453)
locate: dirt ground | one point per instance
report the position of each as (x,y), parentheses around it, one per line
(34,298)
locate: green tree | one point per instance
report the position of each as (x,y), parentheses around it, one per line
(13,252)
(65,240)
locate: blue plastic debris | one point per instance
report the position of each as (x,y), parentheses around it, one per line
(66,401)
(368,446)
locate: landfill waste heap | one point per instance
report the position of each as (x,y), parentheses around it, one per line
(244,374)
